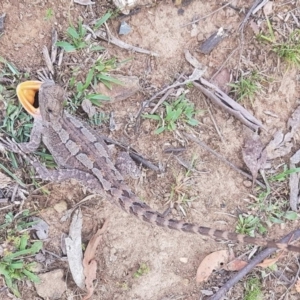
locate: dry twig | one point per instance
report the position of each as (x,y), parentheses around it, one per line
(204,17)
(107,36)
(220,157)
(294,235)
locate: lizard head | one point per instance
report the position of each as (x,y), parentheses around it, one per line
(51,97)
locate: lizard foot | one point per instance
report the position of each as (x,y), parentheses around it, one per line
(10,145)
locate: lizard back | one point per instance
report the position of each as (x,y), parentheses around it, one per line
(76,146)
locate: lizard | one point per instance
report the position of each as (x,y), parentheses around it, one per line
(81,153)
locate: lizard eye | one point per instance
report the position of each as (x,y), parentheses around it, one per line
(49,110)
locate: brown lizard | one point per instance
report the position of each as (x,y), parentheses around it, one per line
(82,154)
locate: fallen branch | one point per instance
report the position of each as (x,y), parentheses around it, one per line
(218,97)
(294,235)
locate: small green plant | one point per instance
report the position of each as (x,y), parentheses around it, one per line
(14,263)
(289,50)
(247,86)
(253,289)
(18,224)
(49,14)
(272,210)
(97,73)
(181,188)
(143,270)
(249,224)
(76,37)
(284,175)
(180,110)
(98,119)
(18,124)
(13,266)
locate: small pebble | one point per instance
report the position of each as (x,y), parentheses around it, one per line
(183,259)
(247,183)
(61,206)
(124,28)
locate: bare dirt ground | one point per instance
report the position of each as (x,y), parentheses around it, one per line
(220,193)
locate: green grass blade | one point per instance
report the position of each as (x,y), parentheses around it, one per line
(19,181)
(102,20)
(66,46)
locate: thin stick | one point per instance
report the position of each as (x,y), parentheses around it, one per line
(294,235)
(224,63)
(250,11)
(107,36)
(214,121)
(220,157)
(162,99)
(293,283)
(204,17)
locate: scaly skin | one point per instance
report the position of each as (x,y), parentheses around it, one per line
(82,154)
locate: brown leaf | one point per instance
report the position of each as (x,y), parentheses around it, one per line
(89,264)
(213,261)
(254,155)
(222,79)
(297,286)
(269,261)
(235,265)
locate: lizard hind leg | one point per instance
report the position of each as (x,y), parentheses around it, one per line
(84,178)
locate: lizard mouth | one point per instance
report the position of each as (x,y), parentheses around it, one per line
(26,92)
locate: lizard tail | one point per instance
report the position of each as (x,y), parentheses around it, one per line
(142,211)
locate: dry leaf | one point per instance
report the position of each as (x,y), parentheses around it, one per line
(269,261)
(84,2)
(294,182)
(297,286)
(254,155)
(89,264)
(235,265)
(74,249)
(222,79)
(282,143)
(88,107)
(213,261)
(218,97)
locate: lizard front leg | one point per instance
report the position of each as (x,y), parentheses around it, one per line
(84,178)
(35,139)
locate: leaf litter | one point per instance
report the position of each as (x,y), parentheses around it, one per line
(254,155)
(89,262)
(282,144)
(221,259)
(74,249)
